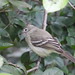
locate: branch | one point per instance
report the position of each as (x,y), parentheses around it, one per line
(36,67)
(2,11)
(14,65)
(71,5)
(44,24)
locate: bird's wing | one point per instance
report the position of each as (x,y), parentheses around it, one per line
(45,41)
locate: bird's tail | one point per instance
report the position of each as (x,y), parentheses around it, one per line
(68,56)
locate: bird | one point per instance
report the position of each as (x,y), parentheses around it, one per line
(43,43)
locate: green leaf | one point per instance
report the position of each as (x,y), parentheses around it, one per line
(54,5)
(73,2)
(4,18)
(53,71)
(73,46)
(38,18)
(25,59)
(1,61)
(3,33)
(20,4)
(70,41)
(5,45)
(11,69)
(3,2)
(65,69)
(20,22)
(5,74)
(71,36)
(70,74)
(71,31)
(59,61)
(56,29)
(38,72)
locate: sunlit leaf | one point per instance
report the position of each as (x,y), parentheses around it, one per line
(5,74)
(54,5)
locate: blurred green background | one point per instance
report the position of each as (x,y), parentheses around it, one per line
(14,15)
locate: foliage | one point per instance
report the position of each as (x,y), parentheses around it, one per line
(54,5)
(14,16)
(5,74)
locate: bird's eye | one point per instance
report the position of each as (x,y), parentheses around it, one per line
(26,29)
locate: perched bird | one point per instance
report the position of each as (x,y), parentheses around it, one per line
(42,42)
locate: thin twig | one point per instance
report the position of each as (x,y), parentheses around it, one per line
(6,26)
(71,5)
(36,67)
(33,69)
(2,11)
(44,24)
(14,65)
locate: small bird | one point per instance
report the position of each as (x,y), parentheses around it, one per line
(42,42)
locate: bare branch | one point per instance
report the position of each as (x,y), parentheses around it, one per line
(14,65)
(44,24)
(71,5)
(36,67)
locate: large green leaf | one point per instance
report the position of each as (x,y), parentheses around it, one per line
(71,36)
(5,74)
(53,71)
(3,2)
(11,69)
(25,60)
(38,72)
(20,4)
(71,31)
(5,45)
(54,5)
(4,18)
(70,41)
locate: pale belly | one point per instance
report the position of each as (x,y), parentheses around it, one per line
(42,52)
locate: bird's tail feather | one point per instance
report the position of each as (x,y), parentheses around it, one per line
(68,56)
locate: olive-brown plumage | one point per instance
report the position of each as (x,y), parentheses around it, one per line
(42,42)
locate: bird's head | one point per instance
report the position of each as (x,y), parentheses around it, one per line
(28,29)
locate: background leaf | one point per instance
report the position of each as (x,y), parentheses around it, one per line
(5,74)
(53,71)
(5,45)
(3,2)
(20,4)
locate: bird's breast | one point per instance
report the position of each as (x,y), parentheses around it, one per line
(42,52)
